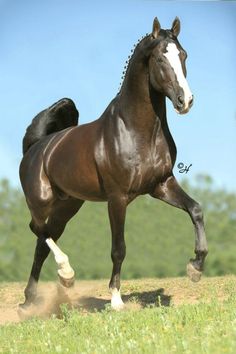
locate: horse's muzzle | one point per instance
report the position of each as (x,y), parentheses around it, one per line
(181,107)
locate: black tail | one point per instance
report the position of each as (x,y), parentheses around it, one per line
(60,115)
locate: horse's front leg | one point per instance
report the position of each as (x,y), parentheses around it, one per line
(117,210)
(170,192)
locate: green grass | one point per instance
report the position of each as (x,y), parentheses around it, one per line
(202,328)
(208,326)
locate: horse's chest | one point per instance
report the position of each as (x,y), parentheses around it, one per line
(135,162)
(145,165)
(153,167)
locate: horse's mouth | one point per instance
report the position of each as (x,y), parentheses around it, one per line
(185,108)
(184,111)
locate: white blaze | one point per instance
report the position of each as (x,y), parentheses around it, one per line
(172,55)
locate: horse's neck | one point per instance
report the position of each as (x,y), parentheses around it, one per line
(141,108)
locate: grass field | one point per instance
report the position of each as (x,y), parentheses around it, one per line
(161,316)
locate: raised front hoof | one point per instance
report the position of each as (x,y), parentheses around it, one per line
(193,274)
(66,282)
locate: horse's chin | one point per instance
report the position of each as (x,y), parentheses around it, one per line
(184,111)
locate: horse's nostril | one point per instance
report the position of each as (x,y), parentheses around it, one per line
(191,101)
(180,100)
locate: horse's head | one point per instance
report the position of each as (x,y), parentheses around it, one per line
(167,70)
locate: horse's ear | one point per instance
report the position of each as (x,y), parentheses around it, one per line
(176,27)
(155,28)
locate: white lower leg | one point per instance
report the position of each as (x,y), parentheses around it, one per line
(64,268)
(116,301)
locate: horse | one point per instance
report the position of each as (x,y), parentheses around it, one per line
(129,151)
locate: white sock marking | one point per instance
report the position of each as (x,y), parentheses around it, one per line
(116,301)
(173,57)
(62,260)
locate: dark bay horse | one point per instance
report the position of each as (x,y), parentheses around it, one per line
(127,152)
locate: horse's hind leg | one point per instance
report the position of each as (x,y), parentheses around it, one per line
(170,192)
(37,226)
(61,212)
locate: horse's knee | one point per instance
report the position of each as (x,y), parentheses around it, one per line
(118,253)
(196,213)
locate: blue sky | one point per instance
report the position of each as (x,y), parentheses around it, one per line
(57,48)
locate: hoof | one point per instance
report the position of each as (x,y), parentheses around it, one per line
(193,273)
(66,282)
(24,311)
(29,303)
(118,307)
(23,306)
(67,279)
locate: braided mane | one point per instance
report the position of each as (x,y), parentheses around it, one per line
(129,59)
